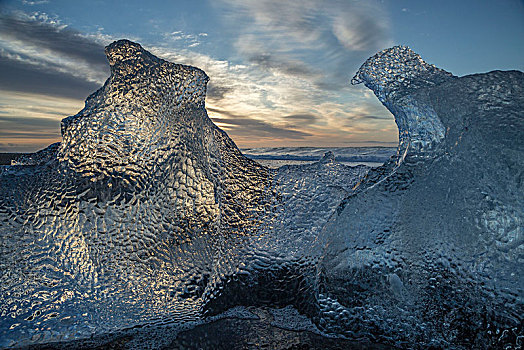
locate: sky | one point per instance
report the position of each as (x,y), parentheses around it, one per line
(279,70)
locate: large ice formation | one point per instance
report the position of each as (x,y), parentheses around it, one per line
(146,211)
(147,214)
(429,250)
(129,219)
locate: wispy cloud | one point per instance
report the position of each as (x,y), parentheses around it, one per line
(48,69)
(330,34)
(47,44)
(302,119)
(301,56)
(286,84)
(189,40)
(29,121)
(375,117)
(245,126)
(291,67)
(47,72)
(23,77)
(33,3)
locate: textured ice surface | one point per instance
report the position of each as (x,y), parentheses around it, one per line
(148,215)
(131,221)
(394,75)
(429,250)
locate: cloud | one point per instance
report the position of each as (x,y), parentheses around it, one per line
(289,67)
(23,77)
(286,83)
(47,70)
(314,36)
(31,121)
(27,134)
(29,128)
(32,3)
(305,117)
(376,117)
(33,135)
(187,40)
(42,43)
(217,92)
(245,126)
(302,119)
(360,31)
(299,59)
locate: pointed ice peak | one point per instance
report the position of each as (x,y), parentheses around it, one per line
(127,51)
(130,58)
(147,99)
(397,68)
(328,157)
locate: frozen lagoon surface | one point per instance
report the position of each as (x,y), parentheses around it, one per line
(147,227)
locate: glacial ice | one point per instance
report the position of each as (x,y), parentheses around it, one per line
(429,250)
(146,210)
(147,215)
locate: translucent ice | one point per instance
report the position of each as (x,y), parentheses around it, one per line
(128,221)
(429,249)
(147,214)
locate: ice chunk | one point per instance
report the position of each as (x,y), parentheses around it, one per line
(148,213)
(125,223)
(394,75)
(427,250)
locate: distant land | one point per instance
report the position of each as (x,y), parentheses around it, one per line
(6,158)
